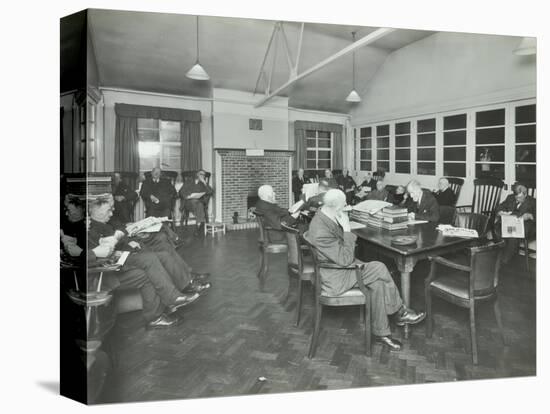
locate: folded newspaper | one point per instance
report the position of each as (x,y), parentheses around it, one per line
(450,231)
(147,225)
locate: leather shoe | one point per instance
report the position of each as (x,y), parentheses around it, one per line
(200,277)
(198,287)
(163,321)
(392,344)
(409,317)
(183,300)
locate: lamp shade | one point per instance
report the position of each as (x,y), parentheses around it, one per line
(197,72)
(353,97)
(527,46)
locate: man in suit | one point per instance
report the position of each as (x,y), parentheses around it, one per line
(124,199)
(315,202)
(330,179)
(330,233)
(445,196)
(272,214)
(424,205)
(198,206)
(521,205)
(297,183)
(347,184)
(158,194)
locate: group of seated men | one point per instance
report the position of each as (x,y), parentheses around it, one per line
(165,281)
(159,194)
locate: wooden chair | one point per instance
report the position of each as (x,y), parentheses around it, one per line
(298,265)
(466,285)
(456,185)
(447,214)
(188,176)
(267,247)
(531,191)
(478,222)
(356,296)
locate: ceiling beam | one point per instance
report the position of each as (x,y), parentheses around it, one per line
(275,27)
(371,37)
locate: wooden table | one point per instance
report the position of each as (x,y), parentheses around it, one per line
(430,242)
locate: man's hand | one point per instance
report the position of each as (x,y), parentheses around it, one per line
(527,216)
(343,219)
(134,245)
(103,250)
(120,198)
(108,241)
(118,235)
(72,249)
(411,216)
(154,199)
(504,213)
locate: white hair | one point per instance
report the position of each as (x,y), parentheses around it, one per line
(413,185)
(334,198)
(265,192)
(444,180)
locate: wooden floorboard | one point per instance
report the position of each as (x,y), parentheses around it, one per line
(238,333)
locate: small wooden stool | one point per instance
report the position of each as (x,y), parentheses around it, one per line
(213,227)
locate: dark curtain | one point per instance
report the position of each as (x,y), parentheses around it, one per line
(191,148)
(126,144)
(300,128)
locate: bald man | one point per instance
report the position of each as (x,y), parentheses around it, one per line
(445,196)
(423,205)
(330,233)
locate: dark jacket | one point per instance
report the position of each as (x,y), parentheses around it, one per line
(381,195)
(347,182)
(427,209)
(273,216)
(529,205)
(445,198)
(164,191)
(123,208)
(195,187)
(297,184)
(314,203)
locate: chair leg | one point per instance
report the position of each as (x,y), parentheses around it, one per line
(429,314)
(368,334)
(316,330)
(299,304)
(526,249)
(498,317)
(473,333)
(361,315)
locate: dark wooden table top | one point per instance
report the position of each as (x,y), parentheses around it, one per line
(428,238)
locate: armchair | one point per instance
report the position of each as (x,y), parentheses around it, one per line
(267,246)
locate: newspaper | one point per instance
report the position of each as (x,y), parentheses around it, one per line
(371,206)
(195,196)
(147,225)
(512,227)
(450,231)
(296,206)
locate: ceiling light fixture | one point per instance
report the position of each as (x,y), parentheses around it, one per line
(353,95)
(197,72)
(527,46)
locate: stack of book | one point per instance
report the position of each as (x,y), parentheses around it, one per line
(389,218)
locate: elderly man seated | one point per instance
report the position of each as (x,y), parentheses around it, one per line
(158,194)
(272,214)
(331,235)
(330,179)
(521,205)
(315,202)
(445,196)
(197,205)
(124,199)
(380,193)
(423,205)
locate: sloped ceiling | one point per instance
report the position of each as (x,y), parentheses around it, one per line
(153,51)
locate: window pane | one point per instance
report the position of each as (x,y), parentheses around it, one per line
(311,134)
(170,135)
(526,114)
(382,130)
(454,138)
(311,155)
(147,164)
(324,134)
(170,125)
(383,154)
(454,169)
(490,153)
(311,164)
(426,140)
(383,142)
(366,166)
(324,164)
(403,128)
(526,153)
(403,154)
(489,118)
(366,143)
(324,155)
(426,125)
(366,154)
(148,123)
(426,168)
(427,154)
(324,143)
(150,135)
(385,165)
(490,136)
(403,167)
(454,122)
(366,132)
(403,141)
(311,143)
(526,172)
(490,170)
(149,150)
(173,164)
(526,133)
(171,151)
(454,154)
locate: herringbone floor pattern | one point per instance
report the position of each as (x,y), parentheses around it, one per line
(237,333)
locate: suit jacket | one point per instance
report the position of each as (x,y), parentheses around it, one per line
(331,182)
(273,216)
(445,198)
(195,187)
(164,191)
(333,246)
(297,184)
(123,208)
(347,182)
(427,209)
(314,203)
(529,205)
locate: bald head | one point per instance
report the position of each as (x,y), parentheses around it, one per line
(155,173)
(334,200)
(266,193)
(443,184)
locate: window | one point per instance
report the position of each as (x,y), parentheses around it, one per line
(454,145)
(425,142)
(383,147)
(365,148)
(403,147)
(490,143)
(159,144)
(525,139)
(319,150)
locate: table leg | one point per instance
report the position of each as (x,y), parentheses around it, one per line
(405,266)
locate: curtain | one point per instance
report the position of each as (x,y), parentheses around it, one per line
(300,128)
(301,146)
(191,148)
(337,151)
(157,112)
(126,144)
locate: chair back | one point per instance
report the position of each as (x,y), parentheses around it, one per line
(456,185)
(478,222)
(189,175)
(316,280)
(531,187)
(264,237)
(487,192)
(294,252)
(485,265)
(447,214)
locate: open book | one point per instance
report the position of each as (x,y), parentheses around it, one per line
(371,206)
(147,225)
(195,196)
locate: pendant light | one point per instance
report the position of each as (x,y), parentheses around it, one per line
(353,95)
(197,72)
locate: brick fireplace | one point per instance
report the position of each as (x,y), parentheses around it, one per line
(241,175)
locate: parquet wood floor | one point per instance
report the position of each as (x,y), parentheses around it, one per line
(237,333)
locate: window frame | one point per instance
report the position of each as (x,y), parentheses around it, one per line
(317,149)
(162,144)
